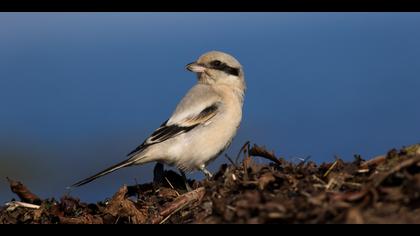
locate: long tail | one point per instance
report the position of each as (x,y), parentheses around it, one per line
(104,172)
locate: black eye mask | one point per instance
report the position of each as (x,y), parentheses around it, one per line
(218,65)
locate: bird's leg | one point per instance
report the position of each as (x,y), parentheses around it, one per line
(206,172)
(184,177)
(158,173)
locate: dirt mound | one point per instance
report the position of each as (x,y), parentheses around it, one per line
(385,189)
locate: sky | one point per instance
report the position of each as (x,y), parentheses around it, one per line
(78,91)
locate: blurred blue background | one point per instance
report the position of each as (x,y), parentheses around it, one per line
(78,91)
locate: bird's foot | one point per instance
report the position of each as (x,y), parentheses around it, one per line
(206,172)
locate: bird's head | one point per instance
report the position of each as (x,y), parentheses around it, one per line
(218,68)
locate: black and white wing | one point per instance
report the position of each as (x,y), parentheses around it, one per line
(197,108)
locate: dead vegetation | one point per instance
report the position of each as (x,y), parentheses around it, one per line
(385,189)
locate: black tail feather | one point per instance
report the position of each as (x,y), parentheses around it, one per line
(102,173)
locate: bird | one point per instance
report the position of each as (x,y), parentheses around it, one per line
(202,125)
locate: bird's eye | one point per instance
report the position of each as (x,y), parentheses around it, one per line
(216,63)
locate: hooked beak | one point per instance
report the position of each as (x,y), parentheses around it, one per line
(195,67)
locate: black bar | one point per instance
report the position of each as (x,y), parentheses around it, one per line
(209,5)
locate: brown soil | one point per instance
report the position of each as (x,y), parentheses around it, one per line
(385,189)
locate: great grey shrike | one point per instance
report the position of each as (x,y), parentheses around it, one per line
(202,125)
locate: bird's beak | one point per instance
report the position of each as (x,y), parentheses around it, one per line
(195,67)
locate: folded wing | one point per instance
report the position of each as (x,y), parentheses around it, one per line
(170,130)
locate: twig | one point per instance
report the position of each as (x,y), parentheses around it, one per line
(169,182)
(305,160)
(353,184)
(230,160)
(350,196)
(120,206)
(234,177)
(87,219)
(330,169)
(262,152)
(375,161)
(179,203)
(23,192)
(11,206)
(173,213)
(331,183)
(232,208)
(353,196)
(362,171)
(246,145)
(381,177)
(118,218)
(319,180)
